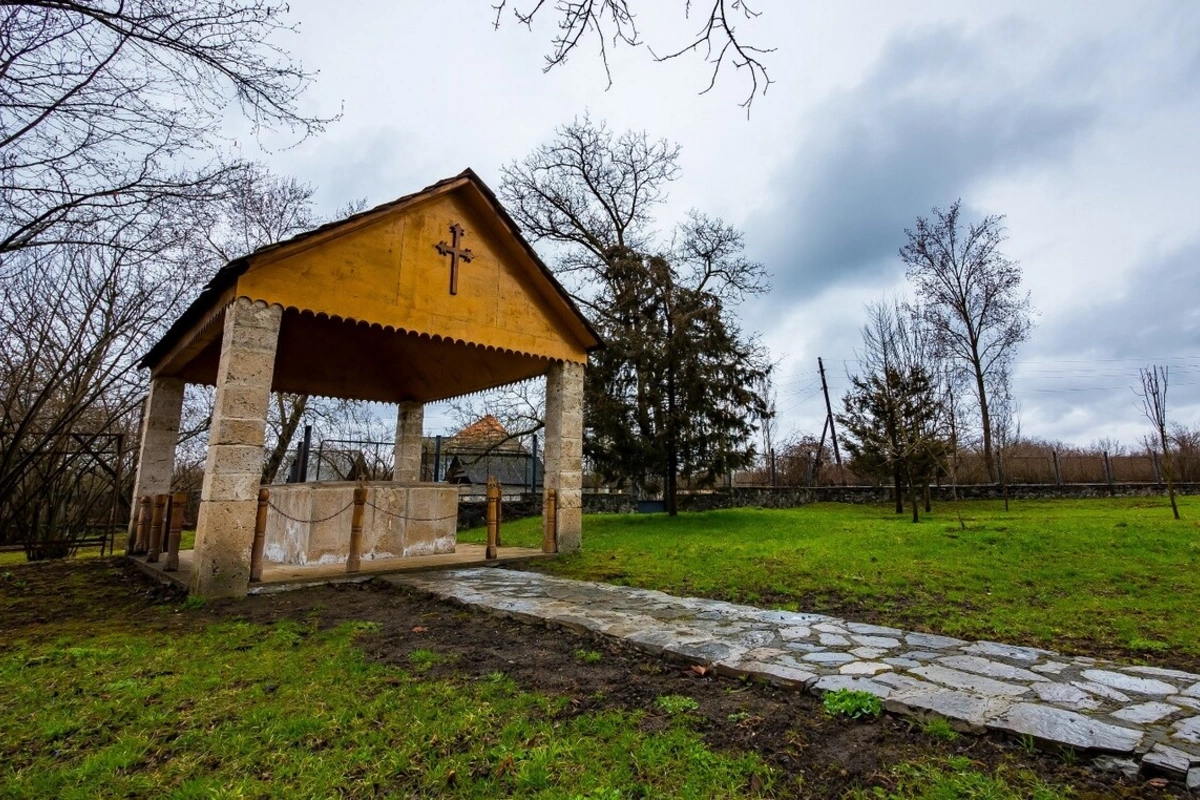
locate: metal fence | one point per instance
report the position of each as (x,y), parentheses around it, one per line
(472,466)
(361,459)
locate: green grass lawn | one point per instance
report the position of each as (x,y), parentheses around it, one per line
(240,710)
(12,558)
(105,694)
(1115,576)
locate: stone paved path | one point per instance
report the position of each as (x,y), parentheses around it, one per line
(1144,715)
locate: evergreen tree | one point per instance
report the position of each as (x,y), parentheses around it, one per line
(893,411)
(676,391)
(673,393)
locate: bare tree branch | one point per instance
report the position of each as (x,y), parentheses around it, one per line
(971,299)
(612,23)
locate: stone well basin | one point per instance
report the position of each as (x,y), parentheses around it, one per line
(309,523)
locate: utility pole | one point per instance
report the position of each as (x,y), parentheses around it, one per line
(837,456)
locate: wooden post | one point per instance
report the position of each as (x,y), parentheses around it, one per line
(175,531)
(493,517)
(143,529)
(354,559)
(154,546)
(1108,475)
(550,522)
(260,536)
(499,514)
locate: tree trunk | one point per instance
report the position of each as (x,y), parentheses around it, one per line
(1168,471)
(985,419)
(671,486)
(899,490)
(1003,483)
(290,415)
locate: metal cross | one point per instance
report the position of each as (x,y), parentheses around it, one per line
(455,253)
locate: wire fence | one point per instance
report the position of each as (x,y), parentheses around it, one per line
(971,470)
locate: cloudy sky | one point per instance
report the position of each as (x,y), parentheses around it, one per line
(1079,121)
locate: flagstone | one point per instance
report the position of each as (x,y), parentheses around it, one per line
(1127,683)
(1145,712)
(1082,702)
(992,669)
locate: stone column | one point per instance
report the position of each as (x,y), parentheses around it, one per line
(160,433)
(410,431)
(233,471)
(563,452)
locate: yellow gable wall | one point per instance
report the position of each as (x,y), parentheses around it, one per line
(390,273)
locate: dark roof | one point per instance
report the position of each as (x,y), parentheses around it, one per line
(227,276)
(508,468)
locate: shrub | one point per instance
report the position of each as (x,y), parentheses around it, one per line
(853,703)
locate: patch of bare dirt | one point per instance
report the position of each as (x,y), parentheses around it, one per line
(822,756)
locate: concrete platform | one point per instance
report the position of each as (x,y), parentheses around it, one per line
(282,577)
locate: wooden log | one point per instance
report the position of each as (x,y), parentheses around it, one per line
(143,529)
(550,522)
(493,517)
(354,559)
(175,530)
(154,546)
(260,536)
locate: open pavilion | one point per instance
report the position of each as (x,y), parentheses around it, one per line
(431,296)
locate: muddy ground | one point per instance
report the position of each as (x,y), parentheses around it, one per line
(788,729)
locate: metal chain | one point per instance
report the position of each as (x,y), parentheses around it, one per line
(288,516)
(411,519)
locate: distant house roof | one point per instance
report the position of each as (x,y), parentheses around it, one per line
(486,432)
(485,448)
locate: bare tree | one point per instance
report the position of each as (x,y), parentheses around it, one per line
(110,109)
(111,114)
(971,299)
(768,424)
(590,192)
(613,23)
(1154,405)
(672,392)
(71,329)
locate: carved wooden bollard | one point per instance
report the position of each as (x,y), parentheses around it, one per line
(354,559)
(143,528)
(154,544)
(550,522)
(493,517)
(260,536)
(175,531)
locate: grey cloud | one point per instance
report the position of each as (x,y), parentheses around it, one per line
(929,121)
(1081,367)
(1156,317)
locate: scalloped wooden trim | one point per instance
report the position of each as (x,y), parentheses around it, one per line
(426,335)
(215,314)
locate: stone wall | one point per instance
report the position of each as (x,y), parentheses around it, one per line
(1043,491)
